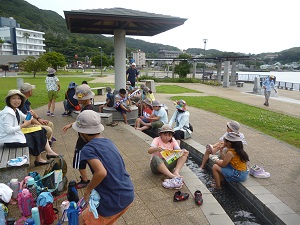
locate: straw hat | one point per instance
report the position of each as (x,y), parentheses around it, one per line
(83,92)
(88,122)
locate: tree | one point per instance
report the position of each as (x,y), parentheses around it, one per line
(1,43)
(184,67)
(105,60)
(32,64)
(54,59)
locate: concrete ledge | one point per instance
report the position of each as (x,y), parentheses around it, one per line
(100,90)
(117,116)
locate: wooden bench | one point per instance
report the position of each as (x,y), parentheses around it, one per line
(100,90)
(105,117)
(8,172)
(239,84)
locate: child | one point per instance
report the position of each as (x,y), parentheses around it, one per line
(53,86)
(232,126)
(233,165)
(147,112)
(181,118)
(158,118)
(121,104)
(110,180)
(70,103)
(158,164)
(83,94)
(109,99)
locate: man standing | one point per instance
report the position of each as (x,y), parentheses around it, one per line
(268,84)
(133,74)
(26,89)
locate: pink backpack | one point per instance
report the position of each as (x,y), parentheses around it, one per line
(25,202)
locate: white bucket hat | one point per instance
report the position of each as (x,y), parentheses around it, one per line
(88,122)
(232,136)
(234,126)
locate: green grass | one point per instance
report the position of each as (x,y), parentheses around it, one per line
(39,97)
(174,89)
(277,125)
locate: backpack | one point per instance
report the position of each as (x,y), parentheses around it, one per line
(55,176)
(25,202)
(48,213)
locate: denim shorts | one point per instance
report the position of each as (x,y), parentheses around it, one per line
(233,175)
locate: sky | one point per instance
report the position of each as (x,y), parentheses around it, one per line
(246,26)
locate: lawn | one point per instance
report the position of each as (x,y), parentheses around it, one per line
(39,97)
(277,125)
(174,89)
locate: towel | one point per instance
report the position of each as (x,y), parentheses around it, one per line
(18,161)
(94,202)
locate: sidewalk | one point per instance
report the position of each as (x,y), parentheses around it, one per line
(153,204)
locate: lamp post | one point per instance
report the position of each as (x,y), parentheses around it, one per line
(100,59)
(204,40)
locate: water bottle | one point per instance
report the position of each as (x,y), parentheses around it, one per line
(31,187)
(72,194)
(64,206)
(36,215)
(72,214)
(2,216)
(29,221)
(28,116)
(14,185)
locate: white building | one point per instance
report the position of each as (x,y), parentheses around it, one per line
(139,58)
(18,41)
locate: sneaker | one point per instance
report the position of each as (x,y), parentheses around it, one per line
(65,114)
(82,183)
(174,183)
(259,172)
(48,113)
(179,196)
(52,114)
(198,197)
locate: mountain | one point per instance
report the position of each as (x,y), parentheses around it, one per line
(58,38)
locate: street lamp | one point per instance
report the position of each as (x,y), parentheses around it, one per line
(204,40)
(100,59)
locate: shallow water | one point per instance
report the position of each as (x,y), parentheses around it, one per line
(238,211)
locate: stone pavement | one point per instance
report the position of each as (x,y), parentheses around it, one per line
(153,204)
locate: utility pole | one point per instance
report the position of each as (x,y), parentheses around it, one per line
(204,40)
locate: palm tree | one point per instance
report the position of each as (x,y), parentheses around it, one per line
(26,36)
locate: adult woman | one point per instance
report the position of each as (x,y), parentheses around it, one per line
(181,117)
(12,121)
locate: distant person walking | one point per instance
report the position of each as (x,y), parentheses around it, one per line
(268,84)
(53,86)
(133,74)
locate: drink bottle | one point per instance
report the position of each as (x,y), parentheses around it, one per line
(14,185)
(36,215)
(2,216)
(73,214)
(28,117)
(31,187)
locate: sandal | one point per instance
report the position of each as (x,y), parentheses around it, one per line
(112,124)
(198,197)
(179,196)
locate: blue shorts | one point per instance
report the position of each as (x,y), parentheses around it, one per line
(232,175)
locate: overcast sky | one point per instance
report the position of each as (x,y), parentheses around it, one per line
(247,26)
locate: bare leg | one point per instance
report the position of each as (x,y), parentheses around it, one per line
(143,128)
(164,170)
(49,105)
(179,165)
(137,123)
(207,153)
(53,105)
(218,176)
(49,150)
(125,118)
(39,158)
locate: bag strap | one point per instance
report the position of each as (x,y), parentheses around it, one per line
(48,175)
(69,100)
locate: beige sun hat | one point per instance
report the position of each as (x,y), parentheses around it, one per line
(234,126)
(156,103)
(26,87)
(83,92)
(88,122)
(148,101)
(15,92)
(232,136)
(166,128)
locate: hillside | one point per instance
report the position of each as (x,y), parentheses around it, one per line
(59,39)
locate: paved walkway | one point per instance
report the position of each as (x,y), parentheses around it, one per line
(153,204)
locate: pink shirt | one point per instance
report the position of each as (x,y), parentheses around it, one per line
(157,142)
